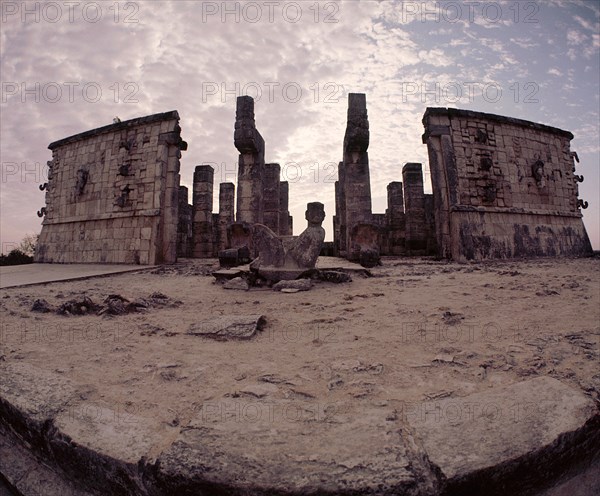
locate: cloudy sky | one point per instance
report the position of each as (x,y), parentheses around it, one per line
(67,67)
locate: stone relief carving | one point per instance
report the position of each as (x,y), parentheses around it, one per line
(537,170)
(82,179)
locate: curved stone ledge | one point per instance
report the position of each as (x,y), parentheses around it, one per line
(521,439)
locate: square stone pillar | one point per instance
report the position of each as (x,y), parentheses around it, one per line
(396,219)
(251,165)
(285,219)
(184,224)
(357,184)
(271,187)
(226,213)
(202,212)
(414,205)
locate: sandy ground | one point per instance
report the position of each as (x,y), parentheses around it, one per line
(418,329)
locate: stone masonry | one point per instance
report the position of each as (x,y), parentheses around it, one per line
(251,165)
(112,194)
(261,197)
(184,225)
(202,228)
(226,214)
(271,200)
(502,187)
(361,233)
(286,222)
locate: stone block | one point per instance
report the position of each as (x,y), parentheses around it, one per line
(505,440)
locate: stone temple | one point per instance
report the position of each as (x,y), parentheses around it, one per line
(501,188)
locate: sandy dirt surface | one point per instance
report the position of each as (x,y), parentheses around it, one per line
(417,330)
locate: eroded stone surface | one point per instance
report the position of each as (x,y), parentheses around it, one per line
(486,439)
(33,397)
(238,443)
(259,440)
(28,474)
(112,432)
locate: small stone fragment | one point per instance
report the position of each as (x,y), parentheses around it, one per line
(78,307)
(443,358)
(297,285)
(41,306)
(335,383)
(259,390)
(115,305)
(238,283)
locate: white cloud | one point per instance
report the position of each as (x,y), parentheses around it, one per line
(524,42)
(575,37)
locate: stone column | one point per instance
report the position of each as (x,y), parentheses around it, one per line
(285,220)
(396,218)
(165,243)
(184,225)
(342,222)
(202,208)
(251,165)
(356,171)
(395,198)
(271,187)
(336,221)
(414,201)
(226,212)
(215,235)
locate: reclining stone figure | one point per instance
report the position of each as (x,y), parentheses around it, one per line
(278,260)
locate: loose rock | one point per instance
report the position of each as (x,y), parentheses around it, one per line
(78,307)
(298,285)
(238,283)
(41,305)
(229,327)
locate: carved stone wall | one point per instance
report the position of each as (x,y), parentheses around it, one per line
(502,187)
(112,194)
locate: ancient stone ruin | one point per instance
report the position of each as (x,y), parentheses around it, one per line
(502,188)
(112,194)
(406,228)
(261,198)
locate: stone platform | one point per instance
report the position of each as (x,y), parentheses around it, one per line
(516,439)
(41,273)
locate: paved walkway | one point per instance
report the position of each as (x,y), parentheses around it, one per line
(25,275)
